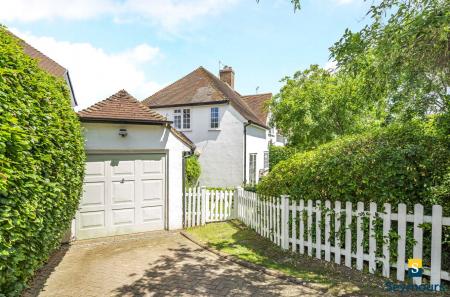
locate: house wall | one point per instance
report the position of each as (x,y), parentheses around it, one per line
(257,142)
(221,150)
(144,138)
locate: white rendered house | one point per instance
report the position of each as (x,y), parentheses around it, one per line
(231,132)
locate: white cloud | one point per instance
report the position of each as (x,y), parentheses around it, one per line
(97,74)
(170,14)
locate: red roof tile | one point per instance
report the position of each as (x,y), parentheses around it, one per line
(257,104)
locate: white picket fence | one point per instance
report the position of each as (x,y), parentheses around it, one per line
(290,224)
(203,206)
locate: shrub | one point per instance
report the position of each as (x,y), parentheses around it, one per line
(193,171)
(279,153)
(41,164)
(397,164)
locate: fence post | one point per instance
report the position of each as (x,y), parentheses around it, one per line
(203,215)
(284,222)
(235,203)
(436,245)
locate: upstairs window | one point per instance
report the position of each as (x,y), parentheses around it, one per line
(214,118)
(177,118)
(182,120)
(186,119)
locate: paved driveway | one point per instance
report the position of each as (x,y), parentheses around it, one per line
(153,264)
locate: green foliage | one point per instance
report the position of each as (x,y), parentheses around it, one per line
(193,171)
(280,153)
(397,164)
(402,55)
(316,106)
(41,165)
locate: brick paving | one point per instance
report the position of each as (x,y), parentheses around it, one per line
(152,264)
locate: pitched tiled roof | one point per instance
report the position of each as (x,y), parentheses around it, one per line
(257,104)
(201,87)
(120,107)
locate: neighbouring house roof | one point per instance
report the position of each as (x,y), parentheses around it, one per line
(202,87)
(257,104)
(124,108)
(47,64)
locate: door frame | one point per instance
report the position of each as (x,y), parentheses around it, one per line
(164,152)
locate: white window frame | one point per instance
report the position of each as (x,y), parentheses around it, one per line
(214,118)
(186,119)
(182,118)
(252,168)
(177,118)
(266,159)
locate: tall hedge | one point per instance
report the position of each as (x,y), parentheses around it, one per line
(41,164)
(399,164)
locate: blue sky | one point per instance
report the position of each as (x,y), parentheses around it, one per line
(143,45)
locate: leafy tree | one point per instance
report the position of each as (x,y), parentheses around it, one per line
(402,55)
(316,106)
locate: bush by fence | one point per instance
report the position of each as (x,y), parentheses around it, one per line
(400,164)
(193,170)
(41,164)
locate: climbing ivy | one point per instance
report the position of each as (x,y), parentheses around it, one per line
(41,164)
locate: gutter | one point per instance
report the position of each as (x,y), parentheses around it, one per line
(245,150)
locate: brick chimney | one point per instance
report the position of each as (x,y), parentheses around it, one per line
(227,75)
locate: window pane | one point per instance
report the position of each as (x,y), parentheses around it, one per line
(214,117)
(186,118)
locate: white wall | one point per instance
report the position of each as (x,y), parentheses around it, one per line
(257,142)
(221,150)
(104,137)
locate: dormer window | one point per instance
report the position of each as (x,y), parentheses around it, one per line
(214,124)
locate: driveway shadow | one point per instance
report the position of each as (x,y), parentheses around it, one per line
(193,271)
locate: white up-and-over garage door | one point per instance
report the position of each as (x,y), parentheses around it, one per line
(122,193)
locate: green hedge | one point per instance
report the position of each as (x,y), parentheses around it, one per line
(401,163)
(41,165)
(280,153)
(193,171)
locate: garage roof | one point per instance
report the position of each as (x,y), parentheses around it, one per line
(121,107)
(124,108)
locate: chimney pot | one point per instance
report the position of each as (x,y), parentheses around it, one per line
(227,75)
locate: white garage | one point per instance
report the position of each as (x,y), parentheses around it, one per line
(131,152)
